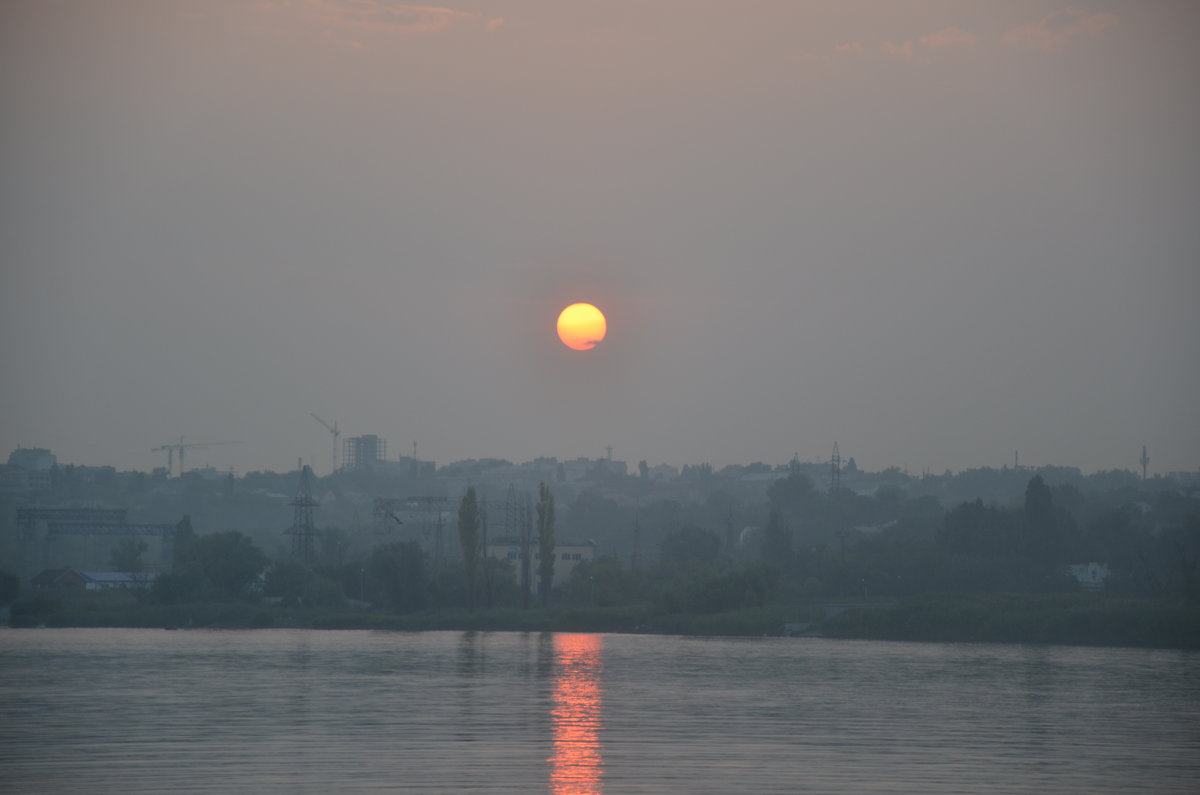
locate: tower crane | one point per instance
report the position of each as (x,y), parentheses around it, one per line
(181,447)
(333,429)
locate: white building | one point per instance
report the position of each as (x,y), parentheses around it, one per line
(566,558)
(1090,575)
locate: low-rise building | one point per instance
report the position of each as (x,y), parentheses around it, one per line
(1090,576)
(67,579)
(117,580)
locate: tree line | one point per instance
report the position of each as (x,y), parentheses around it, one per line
(808,543)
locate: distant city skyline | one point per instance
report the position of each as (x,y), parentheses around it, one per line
(322,467)
(932,232)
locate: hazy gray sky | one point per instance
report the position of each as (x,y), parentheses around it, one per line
(934,232)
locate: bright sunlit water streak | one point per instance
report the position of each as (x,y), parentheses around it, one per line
(293,710)
(575,767)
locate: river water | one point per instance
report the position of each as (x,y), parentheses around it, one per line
(342,711)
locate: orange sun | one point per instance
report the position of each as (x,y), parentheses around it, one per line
(581,327)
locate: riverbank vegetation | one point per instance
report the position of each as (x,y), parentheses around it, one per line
(1058,565)
(1078,619)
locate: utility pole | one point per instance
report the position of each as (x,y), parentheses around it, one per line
(1145,460)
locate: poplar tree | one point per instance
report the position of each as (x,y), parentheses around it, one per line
(468,539)
(484,561)
(526,521)
(545,533)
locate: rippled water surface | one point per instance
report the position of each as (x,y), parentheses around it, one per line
(324,711)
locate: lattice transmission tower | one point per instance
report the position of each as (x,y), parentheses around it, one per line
(303,531)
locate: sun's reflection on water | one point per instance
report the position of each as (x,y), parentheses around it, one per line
(575,767)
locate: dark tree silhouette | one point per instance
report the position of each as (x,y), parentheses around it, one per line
(777,541)
(468,538)
(398,576)
(545,534)
(126,556)
(1041,530)
(691,544)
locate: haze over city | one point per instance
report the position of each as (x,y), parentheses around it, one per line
(933,232)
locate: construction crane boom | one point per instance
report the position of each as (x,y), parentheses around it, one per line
(182,447)
(333,429)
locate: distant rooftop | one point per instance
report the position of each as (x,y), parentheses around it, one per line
(33,458)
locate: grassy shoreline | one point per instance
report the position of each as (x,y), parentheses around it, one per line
(1066,619)
(1070,619)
